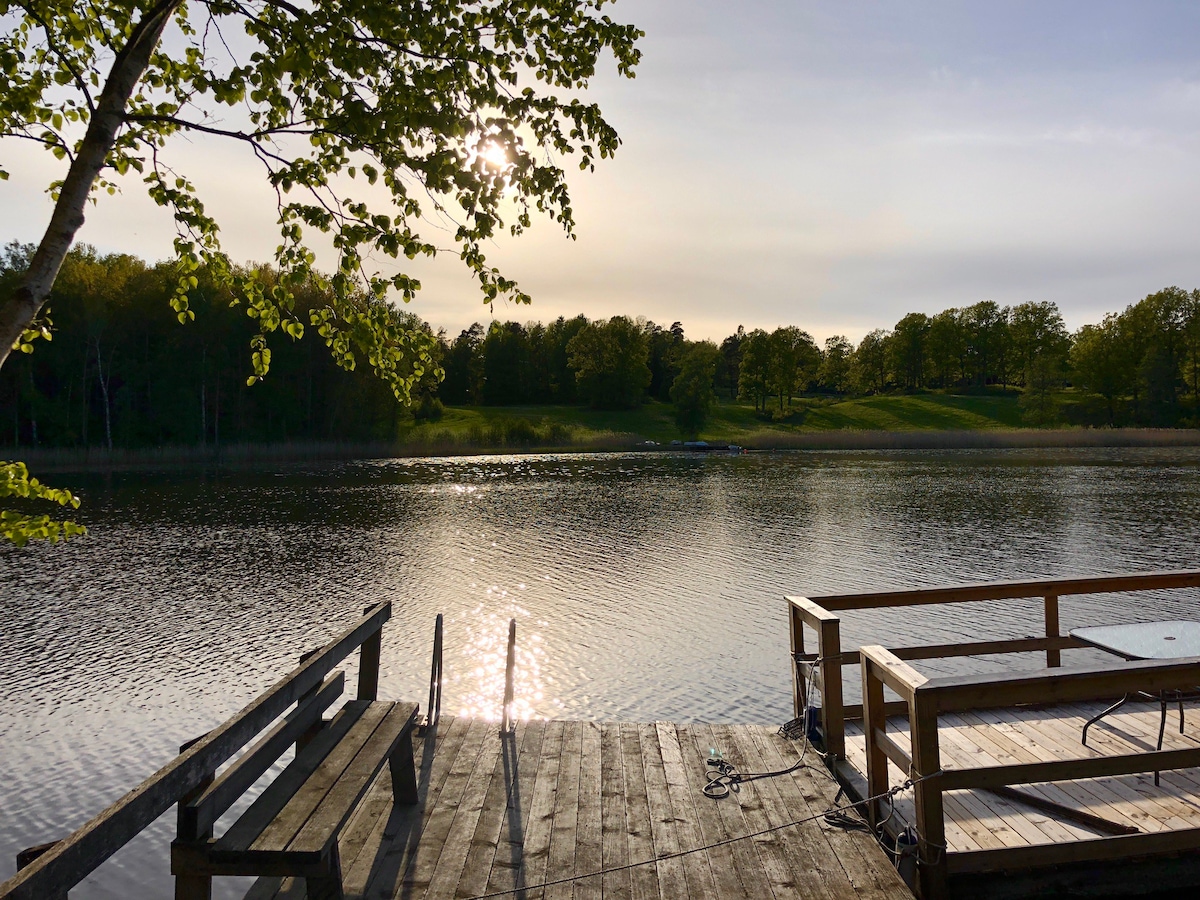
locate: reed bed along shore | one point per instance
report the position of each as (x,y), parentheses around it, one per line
(502,441)
(968,440)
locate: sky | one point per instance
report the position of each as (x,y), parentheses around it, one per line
(830,165)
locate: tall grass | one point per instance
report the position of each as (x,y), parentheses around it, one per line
(966,440)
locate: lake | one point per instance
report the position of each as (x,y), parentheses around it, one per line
(644,587)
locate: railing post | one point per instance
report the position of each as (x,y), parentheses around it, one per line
(1053,655)
(29,855)
(874,720)
(506,715)
(368,664)
(931,825)
(799,681)
(833,715)
(192,887)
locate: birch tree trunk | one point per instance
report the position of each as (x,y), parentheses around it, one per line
(20,309)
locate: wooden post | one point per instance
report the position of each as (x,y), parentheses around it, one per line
(874,719)
(833,719)
(927,794)
(192,887)
(368,665)
(30,855)
(305,739)
(1053,655)
(799,686)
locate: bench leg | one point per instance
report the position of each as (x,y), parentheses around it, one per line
(193,887)
(327,887)
(404,772)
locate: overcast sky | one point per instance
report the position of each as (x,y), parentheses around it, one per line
(830,165)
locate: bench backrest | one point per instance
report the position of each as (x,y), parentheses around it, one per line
(190,775)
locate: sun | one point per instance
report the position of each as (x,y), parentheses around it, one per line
(494,154)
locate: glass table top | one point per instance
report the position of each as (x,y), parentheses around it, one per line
(1145,640)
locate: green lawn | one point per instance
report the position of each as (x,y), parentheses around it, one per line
(548,426)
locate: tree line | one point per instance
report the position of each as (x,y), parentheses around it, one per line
(120,371)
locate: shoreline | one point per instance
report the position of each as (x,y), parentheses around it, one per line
(69,459)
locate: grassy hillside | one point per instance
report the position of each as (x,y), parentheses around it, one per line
(731,421)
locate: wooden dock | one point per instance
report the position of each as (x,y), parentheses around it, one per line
(978,820)
(556,801)
(1001,782)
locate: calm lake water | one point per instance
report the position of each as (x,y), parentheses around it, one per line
(644,586)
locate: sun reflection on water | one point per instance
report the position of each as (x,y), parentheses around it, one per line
(481,682)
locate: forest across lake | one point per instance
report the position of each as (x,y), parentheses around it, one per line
(121,372)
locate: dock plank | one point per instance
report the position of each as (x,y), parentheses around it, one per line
(589,856)
(697,866)
(671,872)
(614,841)
(644,880)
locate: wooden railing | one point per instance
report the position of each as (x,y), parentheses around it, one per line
(925,699)
(819,613)
(69,861)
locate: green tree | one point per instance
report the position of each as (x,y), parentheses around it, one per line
(794,360)
(692,391)
(946,348)
(610,361)
(755,368)
(1039,338)
(728,368)
(450,111)
(1100,363)
(906,350)
(986,325)
(834,372)
(869,366)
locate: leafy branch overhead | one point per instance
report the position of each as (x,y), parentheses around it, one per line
(20,528)
(372,122)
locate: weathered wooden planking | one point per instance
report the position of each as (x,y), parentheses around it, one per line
(614,840)
(580,797)
(510,848)
(464,805)
(863,866)
(589,854)
(697,867)
(672,874)
(644,880)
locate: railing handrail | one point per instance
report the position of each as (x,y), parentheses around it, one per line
(1005,590)
(961,693)
(76,856)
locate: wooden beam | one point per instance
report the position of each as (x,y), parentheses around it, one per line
(976,648)
(1098,849)
(73,858)
(1010,590)
(1063,685)
(1070,769)
(894,751)
(1053,656)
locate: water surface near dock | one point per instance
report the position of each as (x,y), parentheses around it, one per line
(645,587)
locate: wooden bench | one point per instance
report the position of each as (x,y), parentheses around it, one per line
(292,827)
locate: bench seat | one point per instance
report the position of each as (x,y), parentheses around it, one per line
(292,828)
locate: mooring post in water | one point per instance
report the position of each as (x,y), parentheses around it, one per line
(506,715)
